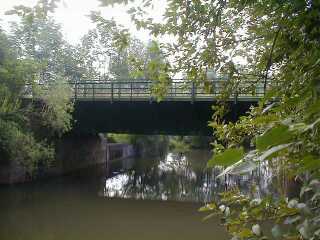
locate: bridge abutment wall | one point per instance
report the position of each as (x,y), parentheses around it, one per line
(13,172)
(76,153)
(81,155)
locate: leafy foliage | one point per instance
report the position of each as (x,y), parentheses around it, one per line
(274,136)
(58,108)
(145,145)
(30,151)
(177,145)
(228,157)
(33,53)
(273,44)
(13,118)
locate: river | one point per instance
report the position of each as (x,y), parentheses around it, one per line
(143,198)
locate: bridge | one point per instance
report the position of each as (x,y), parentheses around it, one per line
(130,106)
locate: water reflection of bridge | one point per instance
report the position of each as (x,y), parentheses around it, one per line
(178,177)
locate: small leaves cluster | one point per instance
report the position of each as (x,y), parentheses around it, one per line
(246,217)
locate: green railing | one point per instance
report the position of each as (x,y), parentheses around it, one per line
(179,89)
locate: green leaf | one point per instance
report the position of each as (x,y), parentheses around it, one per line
(276,232)
(313,109)
(309,163)
(277,135)
(105,3)
(272,151)
(245,233)
(209,216)
(208,207)
(228,157)
(240,167)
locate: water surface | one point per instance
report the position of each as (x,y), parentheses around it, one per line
(145,198)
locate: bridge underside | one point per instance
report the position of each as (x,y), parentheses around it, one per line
(167,117)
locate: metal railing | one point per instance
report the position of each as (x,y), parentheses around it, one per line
(137,90)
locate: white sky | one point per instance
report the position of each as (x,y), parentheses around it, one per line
(71,14)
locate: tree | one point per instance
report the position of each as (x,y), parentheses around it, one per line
(98,52)
(108,50)
(273,43)
(38,37)
(34,53)
(14,121)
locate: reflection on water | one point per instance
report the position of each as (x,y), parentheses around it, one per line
(96,208)
(178,177)
(69,209)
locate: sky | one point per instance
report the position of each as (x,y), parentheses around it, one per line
(71,14)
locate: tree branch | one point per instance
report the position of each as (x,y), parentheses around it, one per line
(270,60)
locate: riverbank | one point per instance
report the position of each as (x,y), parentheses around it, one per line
(73,154)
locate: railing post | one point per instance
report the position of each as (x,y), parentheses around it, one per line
(236,96)
(85,89)
(76,89)
(111,92)
(175,89)
(193,94)
(150,92)
(93,96)
(131,91)
(119,89)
